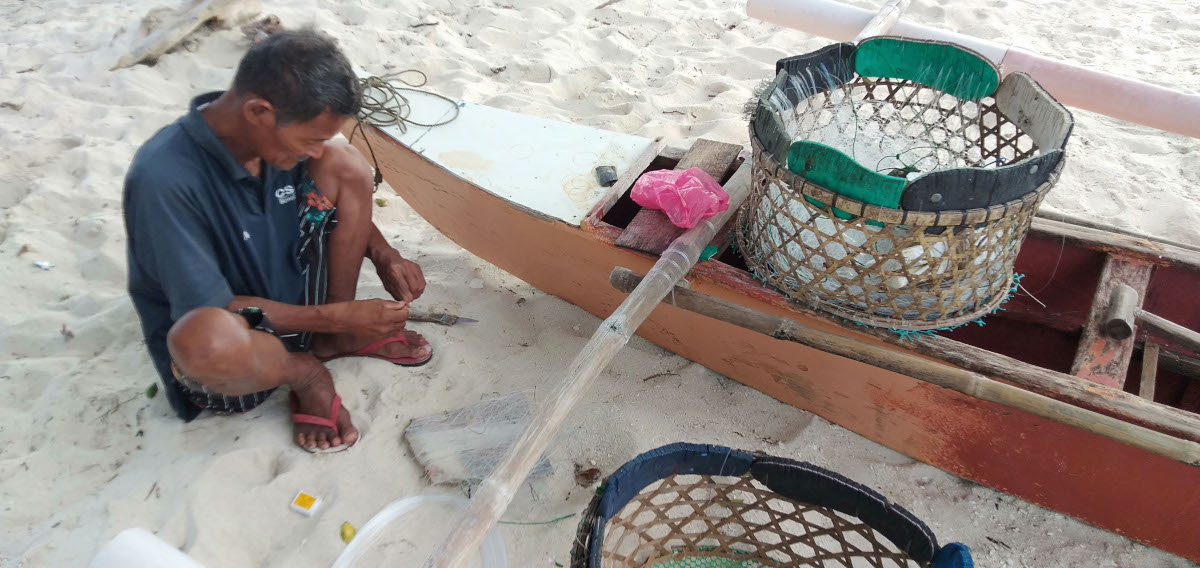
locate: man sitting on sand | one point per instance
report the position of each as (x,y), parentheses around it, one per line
(247,229)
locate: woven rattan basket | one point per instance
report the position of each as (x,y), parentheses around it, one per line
(701,506)
(964,184)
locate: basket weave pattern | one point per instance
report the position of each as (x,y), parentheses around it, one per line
(967,133)
(695,520)
(903,269)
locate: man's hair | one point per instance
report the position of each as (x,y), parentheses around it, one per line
(301,73)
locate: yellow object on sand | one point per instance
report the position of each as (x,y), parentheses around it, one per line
(348,532)
(305,504)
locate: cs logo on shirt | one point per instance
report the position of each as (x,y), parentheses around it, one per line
(285,194)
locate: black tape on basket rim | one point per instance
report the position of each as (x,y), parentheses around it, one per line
(810,484)
(799,481)
(822,70)
(675,459)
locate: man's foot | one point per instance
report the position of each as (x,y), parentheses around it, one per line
(315,398)
(408,349)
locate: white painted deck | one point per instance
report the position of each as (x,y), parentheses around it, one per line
(539,164)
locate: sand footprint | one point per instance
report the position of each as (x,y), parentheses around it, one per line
(239,504)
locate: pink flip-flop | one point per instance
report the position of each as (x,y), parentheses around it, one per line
(330,423)
(369,351)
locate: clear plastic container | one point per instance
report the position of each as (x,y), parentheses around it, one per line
(491,552)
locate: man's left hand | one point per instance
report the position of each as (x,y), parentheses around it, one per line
(402,278)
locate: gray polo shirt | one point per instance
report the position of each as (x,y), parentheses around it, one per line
(202,230)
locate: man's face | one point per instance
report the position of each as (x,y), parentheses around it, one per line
(285,147)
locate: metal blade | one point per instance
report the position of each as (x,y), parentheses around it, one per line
(438,318)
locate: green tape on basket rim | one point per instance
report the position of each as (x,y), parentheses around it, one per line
(832,169)
(946,67)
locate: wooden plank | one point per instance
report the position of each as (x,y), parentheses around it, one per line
(1149,371)
(624,183)
(1144,250)
(672,154)
(651,231)
(1168,329)
(1109,228)
(1100,358)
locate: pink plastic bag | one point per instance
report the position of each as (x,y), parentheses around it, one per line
(686,196)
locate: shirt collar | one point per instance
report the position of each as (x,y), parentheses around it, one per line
(198,128)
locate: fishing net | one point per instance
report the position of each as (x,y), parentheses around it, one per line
(463,446)
(700,506)
(894,181)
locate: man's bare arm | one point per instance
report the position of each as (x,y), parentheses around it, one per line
(288,318)
(372,318)
(402,278)
(377,246)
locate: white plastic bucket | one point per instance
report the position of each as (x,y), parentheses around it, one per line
(138,548)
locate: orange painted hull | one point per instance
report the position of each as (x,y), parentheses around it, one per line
(1131,492)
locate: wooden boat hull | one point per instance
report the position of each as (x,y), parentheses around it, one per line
(1129,491)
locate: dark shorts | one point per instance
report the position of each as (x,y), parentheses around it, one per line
(318,217)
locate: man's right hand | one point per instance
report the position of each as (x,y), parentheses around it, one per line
(370,318)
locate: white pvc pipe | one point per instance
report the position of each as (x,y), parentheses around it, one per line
(1119,97)
(1073,85)
(841,22)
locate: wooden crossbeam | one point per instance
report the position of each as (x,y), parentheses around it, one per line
(1101,358)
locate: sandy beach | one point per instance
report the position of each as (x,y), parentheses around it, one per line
(84,453)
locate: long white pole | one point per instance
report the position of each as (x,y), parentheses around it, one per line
(1073,85)
(496,492)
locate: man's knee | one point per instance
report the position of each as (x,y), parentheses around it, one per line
(343,173)
(209,342)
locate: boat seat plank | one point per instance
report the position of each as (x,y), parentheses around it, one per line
(651,231)
(1099,357)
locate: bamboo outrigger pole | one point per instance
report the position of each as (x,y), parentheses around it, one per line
(496,492)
